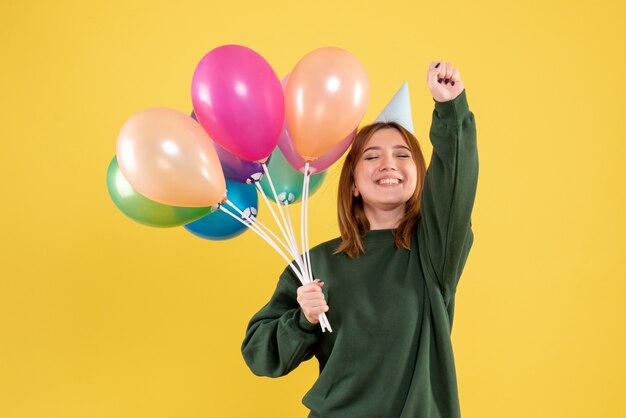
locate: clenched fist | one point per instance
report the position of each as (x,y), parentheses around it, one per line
(312,301)
(444,81)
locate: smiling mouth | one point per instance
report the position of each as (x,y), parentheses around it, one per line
(387,182)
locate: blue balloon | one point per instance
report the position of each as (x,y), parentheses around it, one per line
(219,225)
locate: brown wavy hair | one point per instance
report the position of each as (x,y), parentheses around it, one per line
(353,222)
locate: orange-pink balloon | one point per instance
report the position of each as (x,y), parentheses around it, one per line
(167,157)
(325,99)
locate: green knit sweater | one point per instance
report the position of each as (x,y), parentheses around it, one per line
(391,310)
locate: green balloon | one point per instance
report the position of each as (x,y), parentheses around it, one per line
(287,180)
(143,210)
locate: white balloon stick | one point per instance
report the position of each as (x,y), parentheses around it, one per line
(289,235)
(267,239)
(294,245)
(324,323)
(258,185)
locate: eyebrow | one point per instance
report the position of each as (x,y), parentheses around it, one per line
(394,147)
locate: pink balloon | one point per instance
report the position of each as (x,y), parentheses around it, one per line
(285,143)
(238,99)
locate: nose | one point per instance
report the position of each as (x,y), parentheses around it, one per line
(387,163)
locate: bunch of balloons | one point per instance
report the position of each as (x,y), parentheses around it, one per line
(248,132)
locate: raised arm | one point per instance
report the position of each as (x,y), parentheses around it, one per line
(279,337)
(450,184)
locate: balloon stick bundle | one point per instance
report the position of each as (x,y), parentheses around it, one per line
(172,169)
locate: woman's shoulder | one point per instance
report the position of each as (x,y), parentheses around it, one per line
(321,255)
(326,248)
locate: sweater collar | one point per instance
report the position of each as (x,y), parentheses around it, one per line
(379,235)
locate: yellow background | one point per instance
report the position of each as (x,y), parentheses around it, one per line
(103,317)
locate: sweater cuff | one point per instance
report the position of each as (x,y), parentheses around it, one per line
(304,323)
(453,110)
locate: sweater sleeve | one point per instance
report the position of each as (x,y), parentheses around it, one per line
(279,337)
(448,195)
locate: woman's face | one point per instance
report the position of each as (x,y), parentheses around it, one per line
(385,175)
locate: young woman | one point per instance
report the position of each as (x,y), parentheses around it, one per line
(390,279)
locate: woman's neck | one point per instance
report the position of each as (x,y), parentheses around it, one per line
(384,219)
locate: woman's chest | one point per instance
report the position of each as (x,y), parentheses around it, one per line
(380,292)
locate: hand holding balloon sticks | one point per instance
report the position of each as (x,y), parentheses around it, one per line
(303,270)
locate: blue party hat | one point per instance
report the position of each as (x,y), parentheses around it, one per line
(399,109)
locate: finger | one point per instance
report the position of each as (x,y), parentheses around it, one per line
(311,295)
(312,289)
(432,75)
(438,70)
(456,77)
(441,75)
(307,287)
(307,297)
(304,296)
(448,73)
(318,310)
(444,77)
(434,66)
(302,289)
(308,304)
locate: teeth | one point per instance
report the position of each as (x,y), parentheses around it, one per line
(388,181)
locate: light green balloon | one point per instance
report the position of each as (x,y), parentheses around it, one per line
(143,210)
(287,180)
